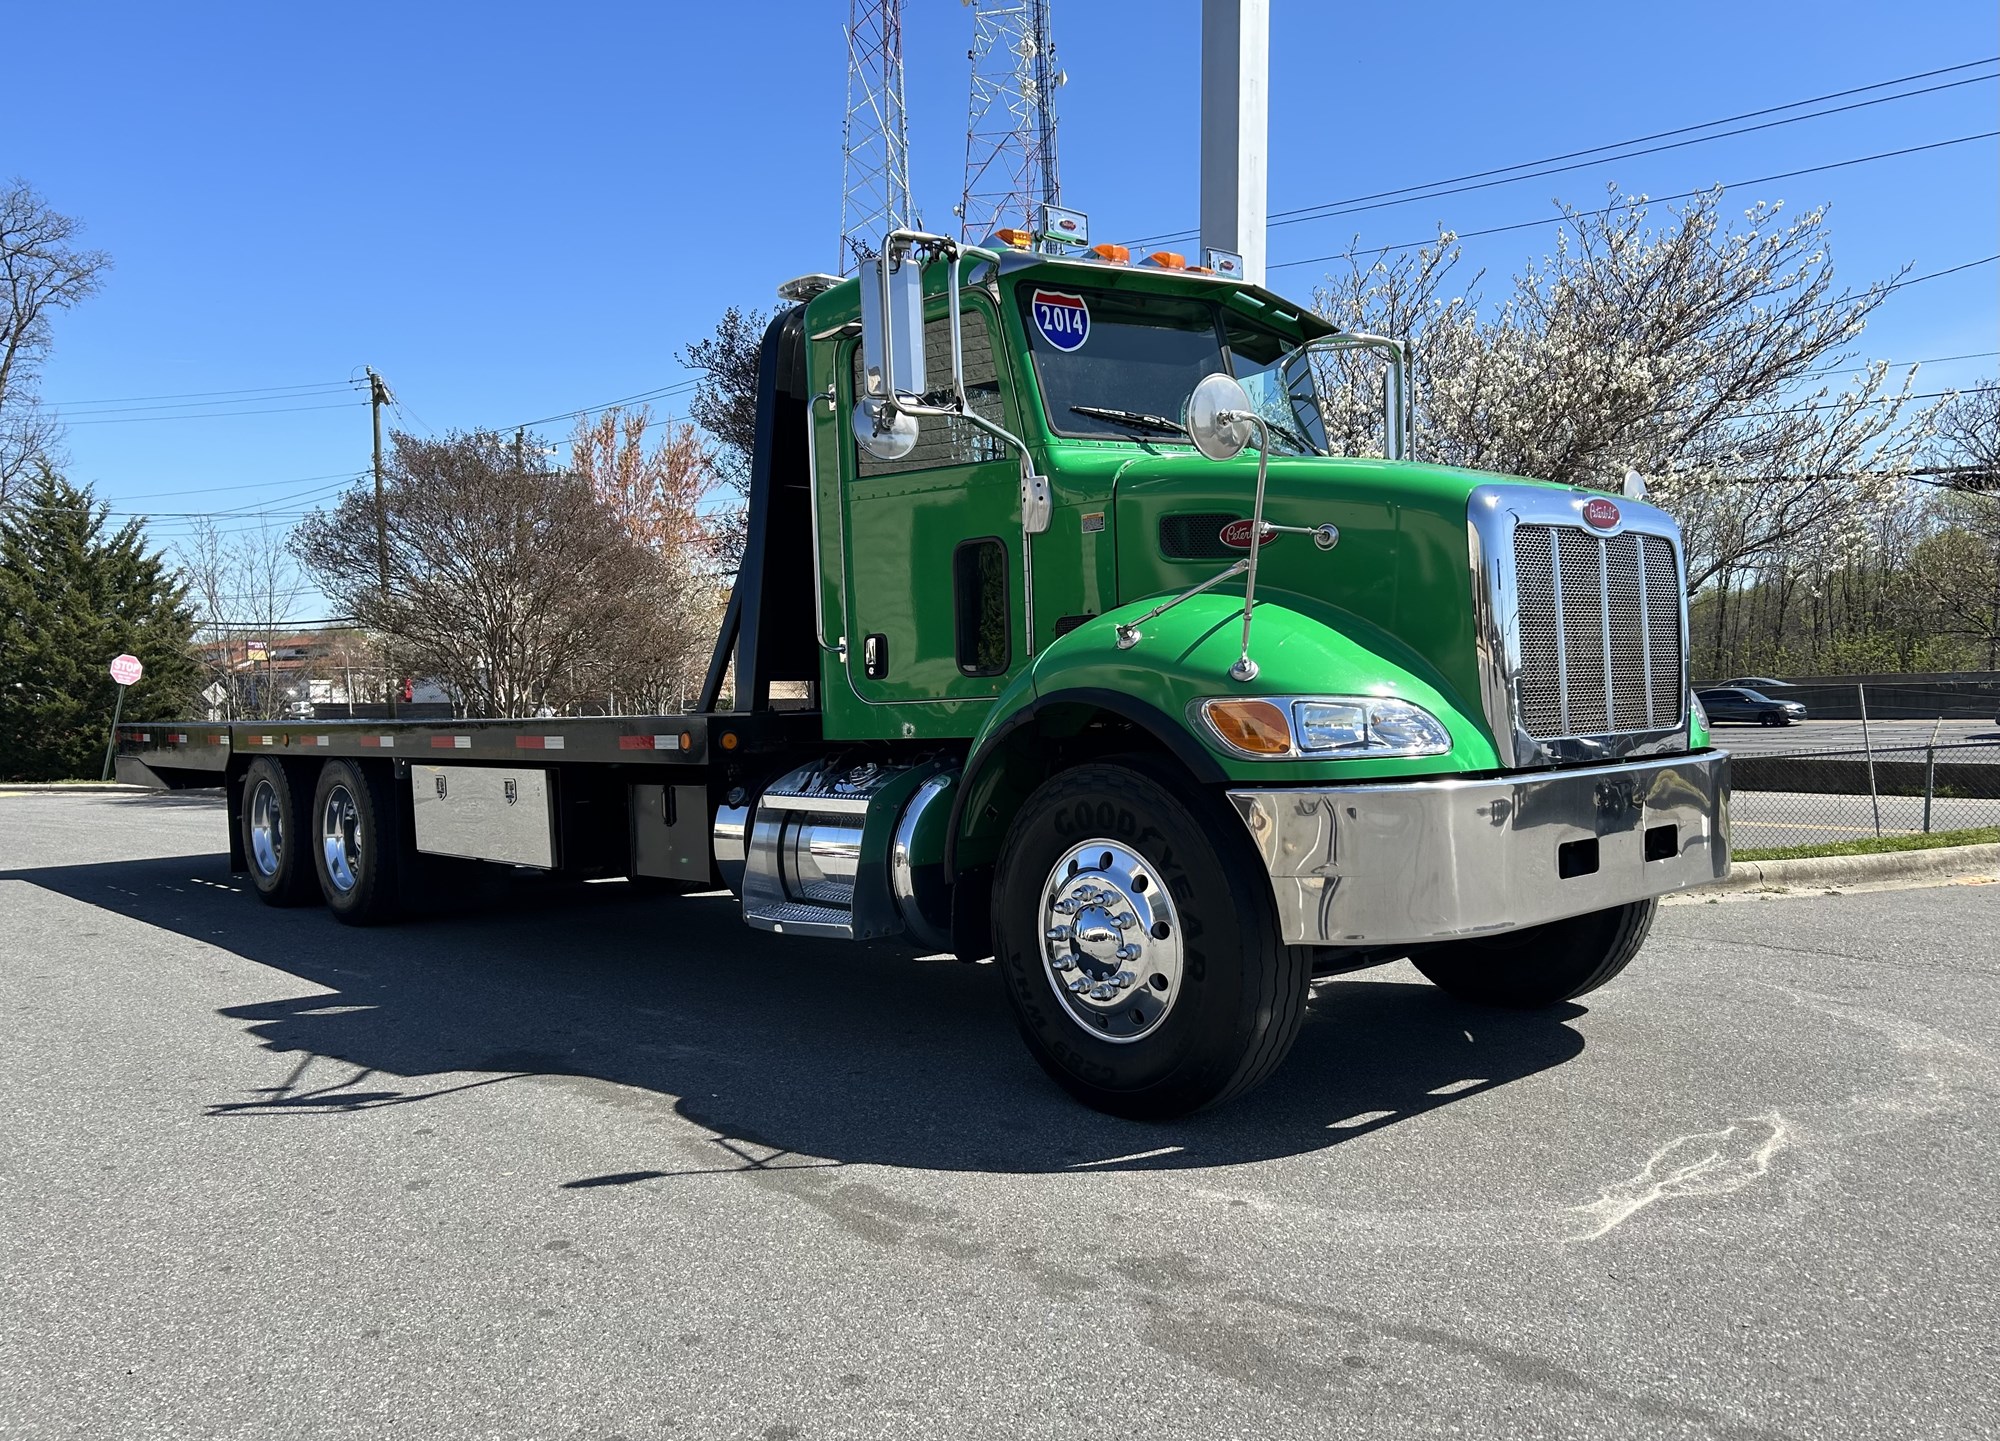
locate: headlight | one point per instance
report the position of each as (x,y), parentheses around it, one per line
(1322,727)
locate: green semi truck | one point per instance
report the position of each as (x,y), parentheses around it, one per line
(1062,639)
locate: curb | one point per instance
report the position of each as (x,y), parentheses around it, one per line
(1940,864)
(65,788)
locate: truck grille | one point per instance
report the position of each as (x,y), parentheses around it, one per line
(1600,632)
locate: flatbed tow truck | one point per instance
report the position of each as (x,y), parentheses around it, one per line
(1113,675)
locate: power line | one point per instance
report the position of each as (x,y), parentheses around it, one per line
(1883,400)
(212,415)
(1567,215)
(1435,189)
(248,485)
(1935,274)
(643,395)
(192,394)
(195,404)
(1899,364)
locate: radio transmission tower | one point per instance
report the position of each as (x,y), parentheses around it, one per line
(1010,134)
(875,164)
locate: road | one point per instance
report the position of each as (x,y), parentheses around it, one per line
(1983,737)
(575,1164)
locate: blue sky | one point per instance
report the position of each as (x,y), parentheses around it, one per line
(514,210)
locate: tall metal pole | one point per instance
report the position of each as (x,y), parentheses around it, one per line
(111,746)
(1235,128)
(378,396)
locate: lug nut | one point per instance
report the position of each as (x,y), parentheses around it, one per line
(1078,985)
(1123,980)
(1068,906)
(1101,992)
(1124,920)
(1064,962)
(1127,953)
(1056,933)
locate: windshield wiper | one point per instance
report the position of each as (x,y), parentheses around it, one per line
(1137,419)
(1305,446)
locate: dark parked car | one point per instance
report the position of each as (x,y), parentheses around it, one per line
(1737,703)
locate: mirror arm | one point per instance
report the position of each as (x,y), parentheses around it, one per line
(1245,668)
(1129,633)
(1036,501)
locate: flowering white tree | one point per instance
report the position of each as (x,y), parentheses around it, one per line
(1686,350)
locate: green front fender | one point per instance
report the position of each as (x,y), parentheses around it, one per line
(1301,648)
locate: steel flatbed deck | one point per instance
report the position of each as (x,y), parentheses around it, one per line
(182,754)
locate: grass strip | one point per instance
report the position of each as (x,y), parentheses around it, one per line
(1874,846)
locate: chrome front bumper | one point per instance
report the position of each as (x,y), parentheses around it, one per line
(1433,860)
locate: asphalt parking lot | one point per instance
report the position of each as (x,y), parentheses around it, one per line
(575,1164)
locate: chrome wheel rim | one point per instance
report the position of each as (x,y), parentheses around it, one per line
(1111,941)
(340,838)
(267,829)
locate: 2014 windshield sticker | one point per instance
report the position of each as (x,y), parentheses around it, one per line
(1063,320)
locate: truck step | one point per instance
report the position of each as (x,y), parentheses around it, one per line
(792,918)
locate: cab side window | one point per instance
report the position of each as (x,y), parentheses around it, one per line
(945,440)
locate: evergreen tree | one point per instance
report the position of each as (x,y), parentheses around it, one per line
(71,598)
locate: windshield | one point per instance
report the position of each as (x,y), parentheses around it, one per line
(1118,365)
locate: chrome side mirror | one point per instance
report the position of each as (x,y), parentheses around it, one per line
(1217,417)
(892,326)
(883,431)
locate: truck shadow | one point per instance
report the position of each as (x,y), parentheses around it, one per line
(790,1052)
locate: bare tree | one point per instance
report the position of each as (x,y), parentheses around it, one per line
(517,589)
(246,591)
(41,272)
(661,494)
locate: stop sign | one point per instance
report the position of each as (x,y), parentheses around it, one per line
(126,670)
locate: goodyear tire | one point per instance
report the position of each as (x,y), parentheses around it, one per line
(1136,940)
(355,837)
(276,847)
(1541,965)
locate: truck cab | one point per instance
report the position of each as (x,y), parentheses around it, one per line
(1451,721)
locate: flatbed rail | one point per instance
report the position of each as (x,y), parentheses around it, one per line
(181,754)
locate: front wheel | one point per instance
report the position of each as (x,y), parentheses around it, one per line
(1136,939)
(1540,965)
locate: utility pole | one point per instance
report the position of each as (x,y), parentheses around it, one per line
(1235,128)
(379,396)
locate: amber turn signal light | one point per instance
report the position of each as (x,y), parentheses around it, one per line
(1256,727)
(1116,254)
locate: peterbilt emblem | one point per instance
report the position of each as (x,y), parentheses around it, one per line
(1600,513)
(512,791)
(1236,535)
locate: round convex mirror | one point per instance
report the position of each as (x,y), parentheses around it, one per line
(886,435)
(1217,417)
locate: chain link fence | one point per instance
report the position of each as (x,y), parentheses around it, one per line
(1815,797)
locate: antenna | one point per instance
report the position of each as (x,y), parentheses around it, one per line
(1010,132)
(875,163)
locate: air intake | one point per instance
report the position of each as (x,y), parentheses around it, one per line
(1196,536)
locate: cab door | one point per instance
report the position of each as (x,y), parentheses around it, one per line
(933,552)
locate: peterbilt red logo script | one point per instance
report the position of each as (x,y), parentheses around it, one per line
(1236,535)
(1600,513)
